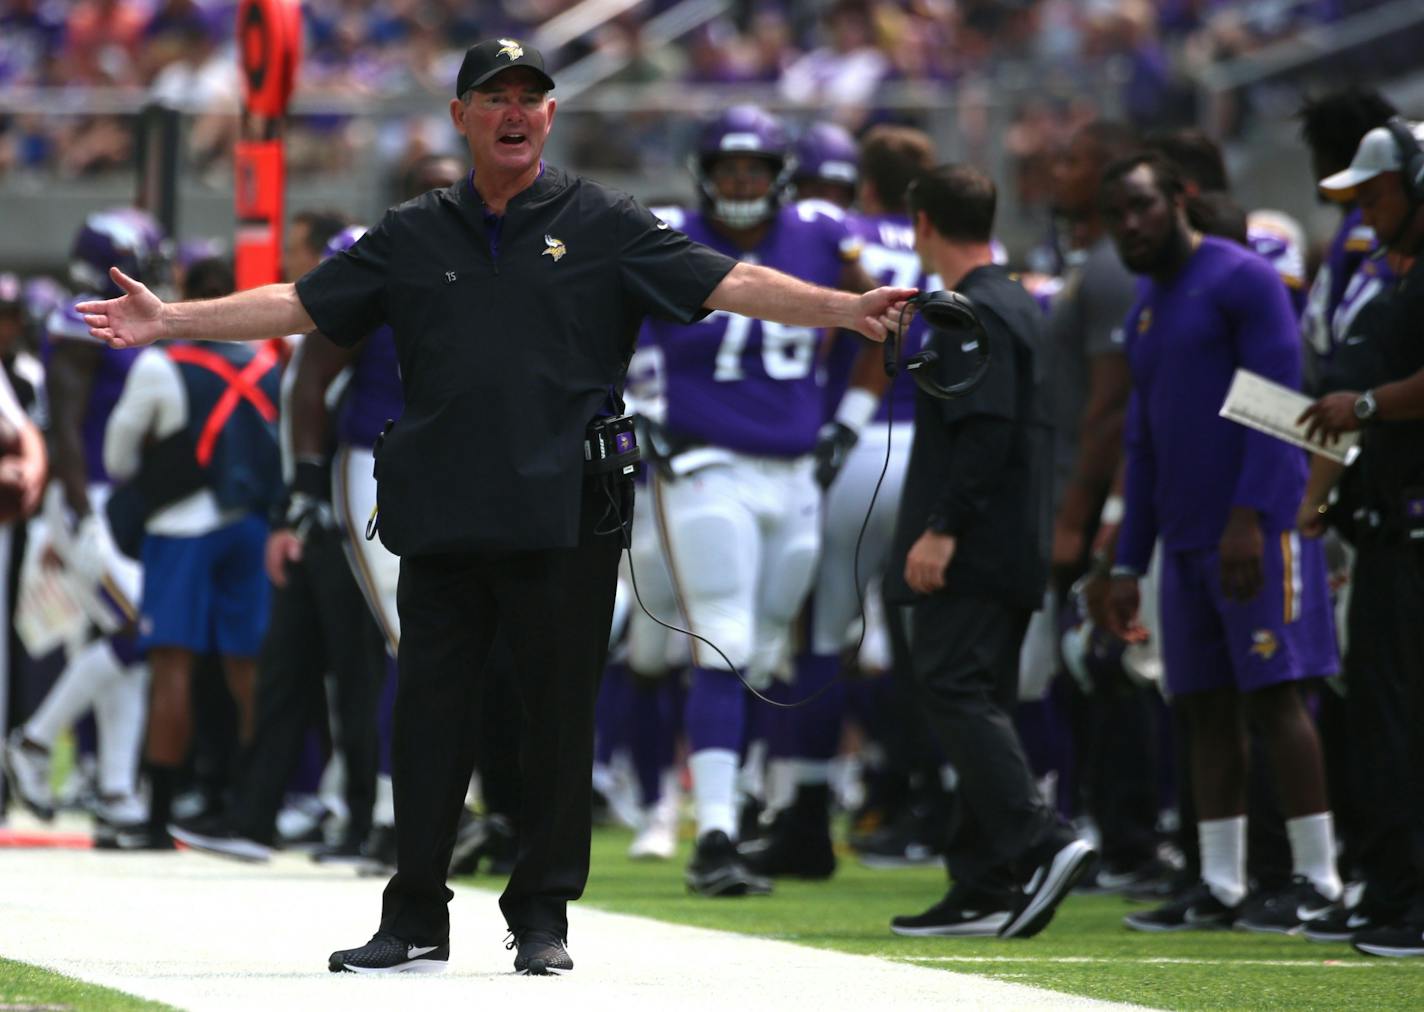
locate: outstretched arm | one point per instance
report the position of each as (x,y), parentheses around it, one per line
(766,294)
(139,317)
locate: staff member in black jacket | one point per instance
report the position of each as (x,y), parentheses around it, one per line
(972,540)
(515,297)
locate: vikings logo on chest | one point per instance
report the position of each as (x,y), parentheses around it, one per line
(554,248)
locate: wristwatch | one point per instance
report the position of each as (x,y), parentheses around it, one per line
(1365,406)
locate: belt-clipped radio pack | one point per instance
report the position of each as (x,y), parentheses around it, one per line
(610,446)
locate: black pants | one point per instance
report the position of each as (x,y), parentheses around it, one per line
(555,608)
(1409,639)
(965,658)
(320,623)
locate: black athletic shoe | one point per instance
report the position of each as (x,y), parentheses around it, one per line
(1402,941)
(541,953)
(213,835)
(380,852)
(798,845)
(909,841)
(1286,911)
(717,870)
(963,913)
(349,853)
(1059,865)
(1108,878)
(1198,910)
(385,953)
(1342,925)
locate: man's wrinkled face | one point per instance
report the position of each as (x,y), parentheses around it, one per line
(1142,221)
(505,121)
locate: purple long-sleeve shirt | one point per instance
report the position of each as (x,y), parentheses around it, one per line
(1186,466)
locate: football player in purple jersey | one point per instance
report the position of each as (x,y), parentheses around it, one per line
(1273,235)
(105,674)
(851,449)
(736,498)
(1244,601)
(826,157)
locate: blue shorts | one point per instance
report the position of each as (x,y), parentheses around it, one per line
(207,593)
(1286,632)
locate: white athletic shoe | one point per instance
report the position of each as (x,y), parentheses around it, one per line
(28,772)
(658,839)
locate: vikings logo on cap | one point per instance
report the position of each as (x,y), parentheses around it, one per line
(554,248)
(512,49)
(1263,644)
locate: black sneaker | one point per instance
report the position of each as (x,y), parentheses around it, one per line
(215,836)
(1060,864)
(1286,911)
(909,841)
(1401,941)
(963,913)
(794,847)
(541,953)
(385,953)
(1108,879)
(1198,910)
(349,853)
(380,852)
(1342,925)
(717,870)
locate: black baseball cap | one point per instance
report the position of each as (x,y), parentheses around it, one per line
(486,59)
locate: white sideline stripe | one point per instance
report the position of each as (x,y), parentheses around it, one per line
(202,933)
(1329,964)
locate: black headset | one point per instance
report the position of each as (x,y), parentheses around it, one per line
(1411,157)
(946,312)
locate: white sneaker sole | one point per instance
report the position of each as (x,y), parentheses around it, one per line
(252,853)
(1067,867)
(1389,951)
(414,966)
(986,928)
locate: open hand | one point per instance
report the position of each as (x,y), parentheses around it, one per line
(130,321)
(877,312)
(1328,417)
(283,548)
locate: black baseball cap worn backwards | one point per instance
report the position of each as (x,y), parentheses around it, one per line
(486,59)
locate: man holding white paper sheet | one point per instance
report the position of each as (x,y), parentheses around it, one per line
(1245,611)
(1386,179)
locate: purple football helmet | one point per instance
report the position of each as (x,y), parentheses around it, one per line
(43,296)
(126,238)
(743,130)
(343,240)
(827,151)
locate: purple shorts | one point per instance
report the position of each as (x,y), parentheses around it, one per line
(1286,632)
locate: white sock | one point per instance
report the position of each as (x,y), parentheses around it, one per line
(120,710)
(781,782)
(714,790)
(813,771)
(383,813)
(75,691)
(1223,857)
(1312,844)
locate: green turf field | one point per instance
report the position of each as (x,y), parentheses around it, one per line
(1085,951)
(30,988)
